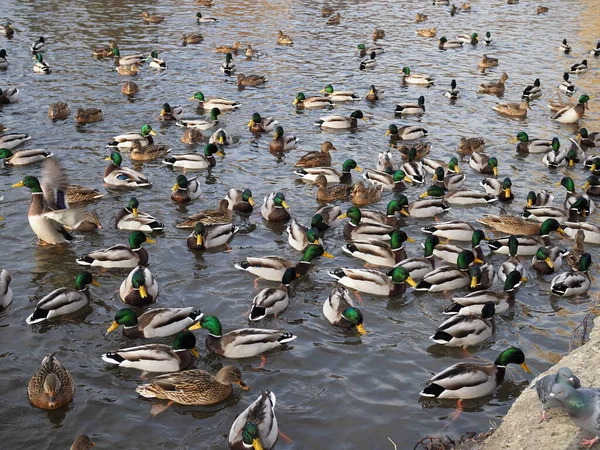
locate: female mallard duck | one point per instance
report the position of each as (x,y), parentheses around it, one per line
(11,95)
(89,115)
(240,200)
(408,78)
(448,278)
(512,263)
(155,323)
(487,62)
(427,32)
(317,158)
(63,300)
(139,288)
(392,181)
(281,143)
(155,63)
(374,94)
(193,387)
(148,153)
(548,260)
(453,93)
(274,208)
(525,145)
(220,103)
(6,293)
(129,218)
(169,112)
(332,175)
(120,256)
(335,20)
(579,67)
(229,48)
(283,39)
(7,30)
(157,357)
(259,124)
(327,193)
(300,236)
(454,230)
(420,17)
(378,33)
(202,124)
(194,161)
(465,330)
(527,245)
(123,141)
(507,223)
(128,70)
(339,310)
(406,133)
(450,253)
(191,38)
(185,189)
(228,67)
(40,65)
(256,427)
(272,301)
(575,282)
(468,380)
(222,215)
(152,18)
(513,109)
(577,249)
(339,96)
(406,109)
(243,342)
(362,195)
(532,91)
(272,268)
(494,88)
(591,231)
(374,282)
(221,137)
(574,113)
(23,157)
(82,442)
(56,111)
(52,386)
(566,85)
(445,44)
(250,80)
(210,235)
(115,175)
(379,252)
(358,228)
(192,136)
(368,63)
(302,102)
(468,146)
(130,88)
(337,122)
(588,139)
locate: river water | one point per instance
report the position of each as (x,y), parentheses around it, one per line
(334,389)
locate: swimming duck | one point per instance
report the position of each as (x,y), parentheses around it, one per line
(317,158)
(411,78)
(421,149)
(169,112)
(542,9)
(210,235)
(591,231)
(274,208)
(23,157)
(574,113)
(527,245)
(139,288)
(580,67)
(128,60)
(191,38)
(369,63)
(566,85)
(555,158)
(450,182)
(123,141)
(283,39)
(541,198)
(192,136)
(592,186)
(40,65)
(450,253)
(589,139)
(467,38)
(157,357)
(392,180)
(427,32)
(445,44)
(3,60)
(512,263)
(52,386)
(56,111)
(340,122)
(386,162)
(148,153)
(256,427)
(201,19)
(130,88)
(420,17)
(12,140)
(533,91)
(11,95)
(130,218)
(378,252)
(364,51)
(221,215)
(454,230)
(209,104)
(575,282)
(339,96)
(281,143)
(154,323)
(63,300)
(120,256)
(89,115)
(405,133)
(82,442)
(6,293)
(572,196)
(452,94)
(358,228)
(301,236)
(378,33)
(228,67)
(155,63)
(259,124)
(531,146)
(507,223)
(202,124)
(185,189)
(240,200)
(333,176)
(128,70)
(423,208)
(335,20)
(326,218)
(194,161)
(374,282)
(115,175)
(362,195)
(513,109)
(250,80)
(229,48)
(486,62)
(548,260)
(494,88)
(465,330)
(152,18)
(7,30)
(565,47)
(447,278)
(339,310)
(411,108)
(272,301)
(303,102)
(327,193)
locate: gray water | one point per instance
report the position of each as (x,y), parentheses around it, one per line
(334,389)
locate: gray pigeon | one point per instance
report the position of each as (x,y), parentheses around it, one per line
(583,406)
(544,388)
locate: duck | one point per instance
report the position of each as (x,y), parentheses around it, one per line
(240,200)
(423,208)
(527,245)
(56,111)
(192,136)
(592,186)
(130,218)
(7,30)
(572,114)
(52,386)
(259,124)
(362,195)
(445,44)
(412,78)
(466,330)
(283,39)
(327,193)
(155,63)
(340,311)
(221,215)
(513,109)
(467,380)
(229,48)
(420,17)
(450,253)
(281,143)
(6,293)
(421,149)
(596,50)
(89,115)
(10,95)
(339,96)
(115,175)
(250,80)
(447,278)
(541,198)
(303,102)
(487,62)
(572,196)
(275,208)
(124,141)
(40,65)
(221,137)
(152,18)
(130,88)
(386,162)
(272,301)
(326,217)
(243,342)
(82,442)
(210,235)
(507,223)
(191,38)
(169,112)
(525,145)
(453,93)
(139,288)
(368,63)
(194,161)
(378,252)
(201,19)
(577,249)
(532,91)
(374,282)
(378,33)
(390,181)
(148,153)
(556,158)
(548,260)
(453,230)
(63,300)
(591,232)
(185,189)
(13,140)
(358,228)
(256,427)
(364,51)
(588,139)
(128,60)
(228,67)
(193,387)
(301,236)
(427,32)
(575,282)
(338,122)
(120,256)
(155,323)
(202,124)
(512,263)
(566,85)
(406,133)
(210,103)
(104,52)
(310,174)
(494,88)
(406,109)
(3,60)
(580,67)
(320,158)
(24,157)
(335,20)
(542,9)
(130,70)
(450,182)
(467,38)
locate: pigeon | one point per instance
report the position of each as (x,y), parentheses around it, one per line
(583,406)
(544,388)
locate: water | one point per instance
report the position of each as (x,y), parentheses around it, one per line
(334,390)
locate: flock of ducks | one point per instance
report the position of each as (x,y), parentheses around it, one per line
(374,236)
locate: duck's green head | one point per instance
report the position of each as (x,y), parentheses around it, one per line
(3,53)
(403,202)
(350,164)
(247,196)
(583,133)
(439,174)
(513,280)
(549,225)
(429,245)
(581,206)
(181,183)
(137,238)
(474,36)
(154,54)
(392,129)
(256,118)
(39,58)
(30,182)
(591,181)
(393,207)
(488,34)
(211,323)
(506,187)
(543,254)
(412,154)
(355,317)
(327,89)
(279,201)
(83,279)
(166,109)
(212,149)
(401,275)
(488,310)
(398,238)
(125,317)
(406,71)
(399,175)
(214,114)
(353,213)
(115,51)
(477,237)
(475,276)
(133,206)
(521,137)
(289,275)
(555,144)
(453,165)
(421,101)
(567,183)
(357,115)
(317,221)
(300,97)
(228,57)
(198,96)
(513,246)
(434,191)
(250,437)
(493,164)
(531,198)
(278,132)
(361,47)
(198,233)
(147,129)
(313,236)
(4,152)
(185,341)
(443,40)
(313,251)
(465,259)
(585,261)
(138,281)
(582,99)
(116,158)
(512,355)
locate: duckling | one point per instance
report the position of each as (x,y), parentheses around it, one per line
(39,46)
(155,62)
(565,47)
(57,111)
(130,88)
(89,115)
(362,195)
(283,39)
(494,88)
(420,17)
(148,153)
(201,19)
(192,136)
(427,32)
(259,124)
(452,94)
(580,67)
(408,78)
(378,33)
(152,18)
(41,66)
(185,190)
(406,109)
(374,94)
(368,63)
(281,143)
(250,80)
(191,38)
(335,20)
(169,112)
(445,44)
(317,158)
(128,70)
(229,48)
(532,91)
(303,102)
(275,208)
(228,67)
(327,193)
(513,109)
(487,62)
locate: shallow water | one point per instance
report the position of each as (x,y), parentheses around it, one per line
(334,389)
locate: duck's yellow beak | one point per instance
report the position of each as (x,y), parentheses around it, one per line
(251,201)
(529,203)
(343,216)
(112,328)
(162,113)
(220,153)
(328,255)
(457,169)
(507,192)
(550,263)
(221,140)
(285,205)
(322,91)
(593,167)
(256,445)
(251,123)
(434,177)
(295,102)
(557,184)
(134,212)
(478,261)
(194,352)
(404,213)
(495,171)
(412,282)
(153,133)
(525,367)
(107,159)
(423,195)
(388,132)
(143,292)
(150,241)
(19,184)
(561,231)
(513,140)
(95,283)
(196,326)
(175,187)
(408,179)
(586,185)
(199,240)
(191,98)
(473,282)
(361,328)
(358,168)
(408,239)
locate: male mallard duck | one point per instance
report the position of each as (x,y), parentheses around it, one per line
(448,278)
(250,80)
(302,102)
(333,176)
(40,65)
(240,200)
(228,67)
(588,139)
(185,189)
(193,387)
(556,158)
(590,231)
(139,288)
(23,157)
(574,113)
(339,96)
(405,133)
(52,386)
(221,137)
(115,175)
(229,48)
(256,427)
(575,282)
(420,17)
(358,228)
(220,103)
(155,323)
(129,70)
(340,122)
(579,67)
(243,342)
(395,180)
(364,51)
(369,62)
(6,293)
(572,196)
(339,310)
(427,32)
(422,208)
(374,94)
(527,245)
(378,252)
(548,260)
(259,124)
(541,213)
(374,282)
(450,182)
(512,263)
(274,208)
(120,256)
(300,236)
(11,95)
(191,38)
(63,300)
(487,62)
(327,193)
(362,195)
(194,161)
(155,63)
(454,230)
(531,146)
(222,215)
(273,267)
(169,112)
(411,108)
(566,85)
(272,301)
(148,153)
(451,253)
(7,30)
(513,109)
(82,442)
(12,140)
(283,39)
(128,60)
(210,235)
(157,357)
(542,198)
(412,78)
(89,115)
(56,111)
(468,380)
(445,44)
(317,158)
(201,19)
(596,50)
(453,93)
(201,124)
(123,141)
(467,38)
(494,88)
(465,330)
(152,18)
(532,91)
(281,143)
(417,268)
(129,218)
(104,52)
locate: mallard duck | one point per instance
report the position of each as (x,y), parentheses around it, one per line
(542,198)
(596,50)
(421,149)
(379,252)
(11,95)
(104,52)
(302,102)
(365,224)
(259,124)
(210,235)
(191,38)
(512,263)
(310,174)
(317,158)
(487,62)
(157,357)
(574,113)
(572,196)
(454,230)
(556,158)
(250,80)
(385,161)
(128,60)
(578,248)
(467,38)
(283,39)
(123,141)
(494,88)
(327,193)
(228,67)
(327,11)
(192,136)
(56,111)
(374,282)
(566,85)
(243,342)
(229,48)
(465,330)
(301,236)
(63,301)
(369,63)
(392,181)
(591,231)
(221,137)
(451,253)
(513,109)
(525,145)
(152,18)
(580,67)
(588,139)
(420,17)
(89,115)
(335,20)
(575,282)
(40,65)
(155,63)
(326,218)
(532,91)
(115,175)
(339,96)
(362,195)
(542,213)
(129,70)
(378,33)
(450,181)
(139,288)
(482,277)
(412,78)
(272,301)
(500,189)
(445,44)
(12,140)
(154,323)
(542,9)
(448,278)
(507,223)
(52,386)
(406,133)
(220,103)
(6,293)
(339,310)
(75,219)
(148,153)
(527,245)
(169,112)
(3,60)
(256,427)
(468,380)
(340,122)
(273,267)
(364,51)
(194,161)
(411,108)
(427,32)
(120,256)
(82,442)
(193,387)
(417,268)
(129,218)
(548,260)
(130,88)
(453,93)
(202,19)
(240,200)
(202,124)
(7,30)
(222,215)
(422,208)
(274,208)
(185,189)
(23,157)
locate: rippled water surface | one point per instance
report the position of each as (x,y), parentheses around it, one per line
(334,389)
